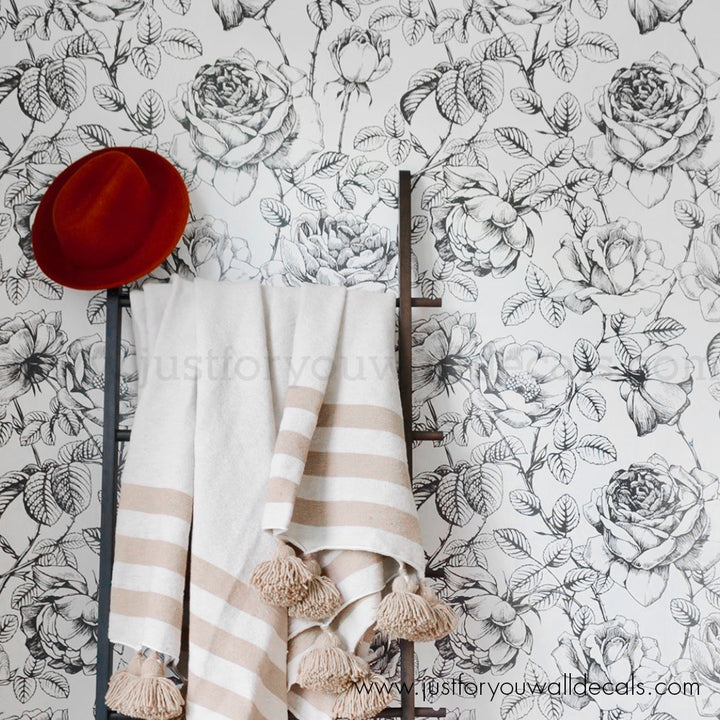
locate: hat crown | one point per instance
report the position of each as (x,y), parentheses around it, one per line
(92,210)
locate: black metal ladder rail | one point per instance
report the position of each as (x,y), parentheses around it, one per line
(117,299)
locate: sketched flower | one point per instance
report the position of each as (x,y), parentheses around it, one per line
(700,277)
(61,622)
(101,10)
(477,227)
(81,372)
(649,517)
(443,348)
(233,12)
(611,652)
(384,656)
(650,13)
(656,385)
(240,112)
(703,666)
(344,249)
(521,384)
(360,56)
(29,347)
(492,631)
(48,714)
(613,267)
(521,12)
(653,115)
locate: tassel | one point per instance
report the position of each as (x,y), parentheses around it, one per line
(328,668)
(323,598)
(366,699)
(282,581)
(156,697)
(403,613)
(444,618)
(122,685)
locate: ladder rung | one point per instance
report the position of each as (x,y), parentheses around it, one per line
(420,712)
(122,434)
(424,435)
(423,302)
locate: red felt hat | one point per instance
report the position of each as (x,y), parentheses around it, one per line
(110,218)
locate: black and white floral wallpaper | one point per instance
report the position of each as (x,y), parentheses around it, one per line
(566,207)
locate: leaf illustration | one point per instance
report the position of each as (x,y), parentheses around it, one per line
(451,502)
(109,98)
(557,552)
(518,308)
(513,542)
(526,179)
(433,196)
(181,43)
(582,180)
(320,13)
(525,502)
(581,618)
(329,164)
(17,289)
(180,7)
(370,138)
(537,281)
(147,60)
(583,221)
(585,355)
(689,214)
(664,329)
(385,18)
(413,30)
(150,111)
(9,80)
(71,486)
(565,432)
(47,288)
(525,579)
(24,595)
(9,624)
(564,63)
(516,707)
(567,29)
(311,195)
(351,8)
(565,516)
(24,688)
(559,152)
(484,85)
(595,8)
(526,100)
(345,197)
(553,311)
(33,94)
(484,489)
(54,684)
(66,83)
(450,98)
(463,287)
(149,25)
(95,137)
(713,355)
(684,612)
(394,122)
(514,141)
(596,449)
(275,212)
(562,465)
(598,47)
(566,113)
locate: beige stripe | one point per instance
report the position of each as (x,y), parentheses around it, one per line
(281,490)
(240,652)
(348,562)
(302,642)
(292,443)
(305,398)
(322,702)
(136,603)
(228,588)
(370,417)
(151,552)
(356,514)
(159,501)
(360,465)
(216,698)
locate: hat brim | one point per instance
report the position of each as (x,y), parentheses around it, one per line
(171,207)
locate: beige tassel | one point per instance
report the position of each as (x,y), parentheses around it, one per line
(328,668)
(403,613)
(156,697)
(282,581)
(122,685)
(444,618)
(323,598)
(365,699)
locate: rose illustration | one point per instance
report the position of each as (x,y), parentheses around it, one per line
(649,517)
(699,278)
(521,12)
(344,249)
(477,227)
(521,384)
(233,12)
(611,652)
(656,385)
(443,349)
(61,623)
(240,112)
(360,56)
(613,267)
(82,373)
(101,10)
(654,115)
(650,13)
(29,347)
(492,632)
(703,666)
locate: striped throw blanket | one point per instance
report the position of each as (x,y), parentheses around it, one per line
(268,425)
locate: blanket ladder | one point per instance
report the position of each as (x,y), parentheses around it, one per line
(117,300)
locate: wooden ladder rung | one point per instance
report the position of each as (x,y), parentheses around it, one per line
(422,302)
